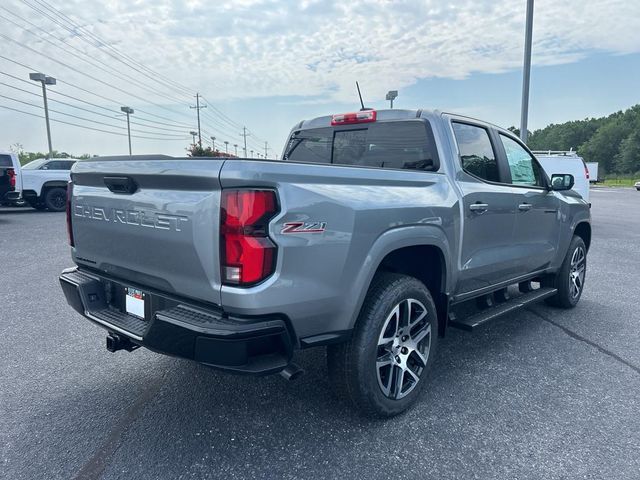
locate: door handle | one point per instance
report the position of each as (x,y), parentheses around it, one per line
(478,207)
(524,207)
(124,185)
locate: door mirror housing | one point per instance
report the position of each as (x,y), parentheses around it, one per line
(562,181)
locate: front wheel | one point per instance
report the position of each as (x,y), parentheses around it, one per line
(382,368)
(569,280)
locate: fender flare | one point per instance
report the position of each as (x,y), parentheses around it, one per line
(389,241)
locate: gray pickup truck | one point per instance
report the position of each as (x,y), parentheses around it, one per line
(367,235)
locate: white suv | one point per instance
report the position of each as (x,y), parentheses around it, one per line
(44,183)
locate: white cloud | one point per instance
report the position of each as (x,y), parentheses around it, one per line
(312,50)
(253,48)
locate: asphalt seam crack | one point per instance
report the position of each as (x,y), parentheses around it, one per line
(580,338)
(95,466)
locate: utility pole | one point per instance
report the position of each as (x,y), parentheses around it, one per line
(44,80)
(235,145)
(244,135)
(128,111)
(526,74)
(198,107)
(266,147)
(213,143)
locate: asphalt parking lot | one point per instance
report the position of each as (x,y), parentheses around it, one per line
(542,393)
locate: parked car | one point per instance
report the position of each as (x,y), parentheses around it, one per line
(362,239)
(567,162)
(44,183)
(637,185)
(10,180)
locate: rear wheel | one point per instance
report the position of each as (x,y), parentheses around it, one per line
(55,199)
(570,278)
(382,368)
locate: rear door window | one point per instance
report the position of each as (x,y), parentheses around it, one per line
(476,151)
(396,145)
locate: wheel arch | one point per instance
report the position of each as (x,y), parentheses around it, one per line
(421,252)
(583,230)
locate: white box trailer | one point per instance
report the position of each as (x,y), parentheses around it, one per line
(593,172)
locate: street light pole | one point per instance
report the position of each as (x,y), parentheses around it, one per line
(226,147)
(128,111)
(213,143)
(44,80)
(193,136)
(235,145)
(526,74)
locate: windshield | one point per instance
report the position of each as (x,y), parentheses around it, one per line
(35,164)
(401,145)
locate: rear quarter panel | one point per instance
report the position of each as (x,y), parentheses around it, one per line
(321,278)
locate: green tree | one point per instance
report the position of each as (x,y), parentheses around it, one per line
(628,158)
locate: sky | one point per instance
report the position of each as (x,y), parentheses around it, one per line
(268,64)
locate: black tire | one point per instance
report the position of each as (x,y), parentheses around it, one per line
(574,266)
(355,367)
(55,199)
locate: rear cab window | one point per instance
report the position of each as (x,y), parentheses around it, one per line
(406,144)
(5,161)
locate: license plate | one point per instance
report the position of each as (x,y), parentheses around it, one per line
(135,302)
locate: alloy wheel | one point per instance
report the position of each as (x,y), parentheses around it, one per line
(577,272)
(403,348)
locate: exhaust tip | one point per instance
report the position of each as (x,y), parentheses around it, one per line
(291,372)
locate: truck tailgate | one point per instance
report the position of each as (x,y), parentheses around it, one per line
(153,222)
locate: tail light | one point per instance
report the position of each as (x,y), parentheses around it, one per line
(365,116)
(69,226)
(247,253)
(586,170)
(12,177)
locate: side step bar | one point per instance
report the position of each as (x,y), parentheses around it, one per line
(473,321)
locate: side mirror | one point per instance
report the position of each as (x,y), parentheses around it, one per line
(562,181)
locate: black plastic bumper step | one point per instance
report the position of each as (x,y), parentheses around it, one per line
(475,320)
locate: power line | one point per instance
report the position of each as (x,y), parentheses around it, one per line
(148,122)
(84,118)
(95,79)
(89,128)
(88,91)
(82,33)
(109,70)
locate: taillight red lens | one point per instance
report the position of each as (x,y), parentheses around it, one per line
(69,226)
(247,253)
(12,177)
(586,170)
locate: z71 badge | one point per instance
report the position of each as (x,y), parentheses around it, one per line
(304,227)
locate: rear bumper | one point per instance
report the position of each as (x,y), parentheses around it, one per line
(12,195)
(181,328)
